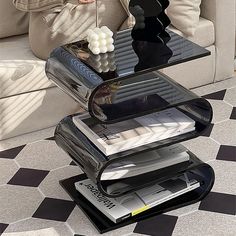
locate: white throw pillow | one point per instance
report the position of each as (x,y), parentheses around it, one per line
(184,15)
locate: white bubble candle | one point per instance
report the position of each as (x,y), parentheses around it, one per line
(100,40)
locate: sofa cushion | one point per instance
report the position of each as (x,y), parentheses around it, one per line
(194,73)
(20,70)
(204,34)
(12,21)
(184,15)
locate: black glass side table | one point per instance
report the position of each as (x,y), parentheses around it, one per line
(97,83)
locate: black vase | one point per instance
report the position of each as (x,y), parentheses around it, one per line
(151,20)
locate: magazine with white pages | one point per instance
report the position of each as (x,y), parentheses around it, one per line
(121,208)
(146,162)
(132,133)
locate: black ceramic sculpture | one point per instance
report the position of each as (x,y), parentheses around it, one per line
(151,20)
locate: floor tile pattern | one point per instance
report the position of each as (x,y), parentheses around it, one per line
(227,153)
(33,203)
(28,177)
(54,209)
(233,114)
(159,222)
(216,96)
(2,227)
(11,153)
(219,202)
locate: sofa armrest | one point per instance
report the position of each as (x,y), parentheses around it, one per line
(222,14)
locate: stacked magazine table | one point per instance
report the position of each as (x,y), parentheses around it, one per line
(127,140)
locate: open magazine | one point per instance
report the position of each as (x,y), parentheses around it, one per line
(132,133)
(121,208)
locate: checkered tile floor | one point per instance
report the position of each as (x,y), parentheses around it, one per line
(33,203)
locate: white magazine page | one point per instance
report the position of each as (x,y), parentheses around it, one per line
(125,135)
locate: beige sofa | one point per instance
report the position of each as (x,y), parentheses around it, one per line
(29,102)
(215,32)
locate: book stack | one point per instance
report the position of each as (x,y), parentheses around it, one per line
(126,135)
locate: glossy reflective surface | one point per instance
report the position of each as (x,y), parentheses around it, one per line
(93,161)
(135,56)
(124,83)
(136,96)
(148,8)
(150,20)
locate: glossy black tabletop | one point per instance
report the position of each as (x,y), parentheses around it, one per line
(133,57)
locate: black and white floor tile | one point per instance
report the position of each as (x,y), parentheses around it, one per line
(33,203)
